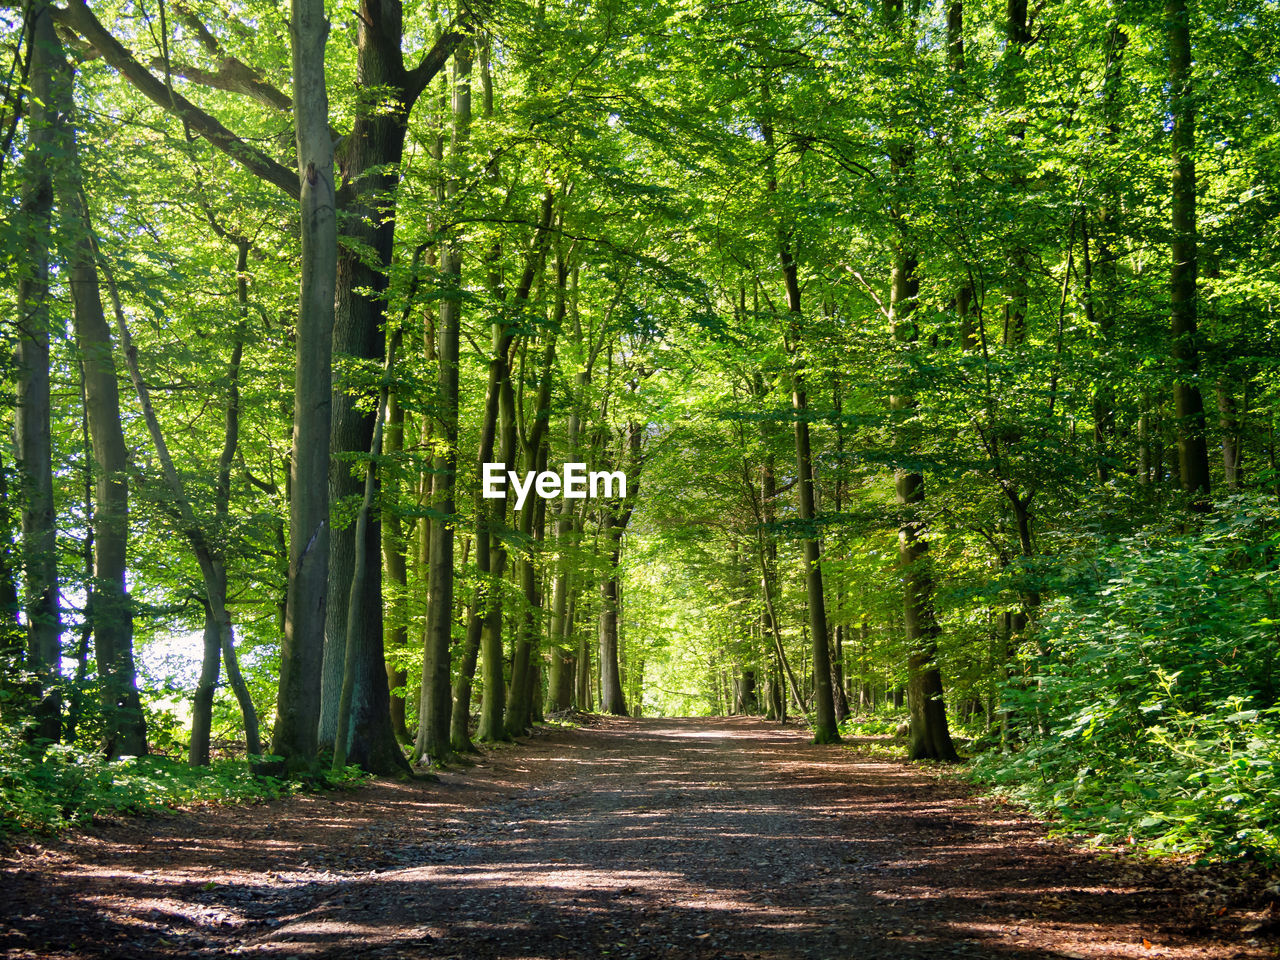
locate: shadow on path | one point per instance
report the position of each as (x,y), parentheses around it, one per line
(631,839)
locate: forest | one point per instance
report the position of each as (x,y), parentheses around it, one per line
(934,346)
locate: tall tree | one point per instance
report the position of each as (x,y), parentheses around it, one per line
(1188,405)
(534,441)
(615,516)
(435,711)
(108,609)
(370,157)
(294,737)
(824,725)
(369,160)
(930,737)
(31,362)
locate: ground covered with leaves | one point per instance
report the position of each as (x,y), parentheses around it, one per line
(626,839)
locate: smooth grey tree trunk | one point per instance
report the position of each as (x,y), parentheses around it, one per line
(436,705)
(110,611)
(294,738)
(31,362)
(612,699)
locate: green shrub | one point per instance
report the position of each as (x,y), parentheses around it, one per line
(60,786)
(871,726)
(1149,707)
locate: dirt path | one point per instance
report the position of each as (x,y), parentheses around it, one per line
(632,839)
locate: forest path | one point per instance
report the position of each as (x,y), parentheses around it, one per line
(701,839)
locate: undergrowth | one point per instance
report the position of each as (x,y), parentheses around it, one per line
(1148,711)
(873,726)
(50,788)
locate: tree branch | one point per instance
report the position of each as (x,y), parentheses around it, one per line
(234,76)
(80,18)
(432,62)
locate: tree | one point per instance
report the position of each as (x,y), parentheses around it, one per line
(614,519)
(298,705)
(31,361)
(930,738)
(1193,454)
(436,710)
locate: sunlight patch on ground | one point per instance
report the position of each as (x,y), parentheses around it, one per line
(1077,940)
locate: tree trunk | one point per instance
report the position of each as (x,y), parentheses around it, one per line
(363,695)
(488,519)
(75,700)
(616,517)
(930,737)
(437,703)
(1193,453)
(612,699)
(582,662)
(111,611)
(837,675)
(561,690)
(206,686)
(31,361)
(532,528)
(494,697)
(766,556)
(837,665)
(524,663)
(218,636)
(294,738)
(478,611)
(1229,420)
(435,712)
(560,681)
(396,568)
(824,726)
(369,161)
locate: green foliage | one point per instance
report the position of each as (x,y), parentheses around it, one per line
(1031,185)
(882,726)
(1152,711)
(44,790)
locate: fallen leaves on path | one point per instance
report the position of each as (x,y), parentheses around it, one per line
(726,839)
